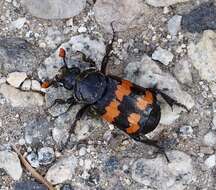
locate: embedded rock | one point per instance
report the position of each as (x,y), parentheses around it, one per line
(54,9)
(19,98)
(10,162)
(203,55)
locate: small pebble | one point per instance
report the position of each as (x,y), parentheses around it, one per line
(18,24)
(210,139)
(46,155)
(88,164)
(22,141)
(82,29)
(26,85)
(16,78)
(210,161)
(33,160)
(162,55)
(2,80)
(214,107)
(35,85)
(174,25)
(82,151)
(186,131)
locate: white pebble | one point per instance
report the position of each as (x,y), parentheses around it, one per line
(18,24)
(82,151)
(26,85)
(88,164)
(210,161)
(35,85)
(210,139)
(16,78)
(82,29)
(2,80)
(162,55)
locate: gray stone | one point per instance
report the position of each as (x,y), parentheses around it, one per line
(54,9)
(10,162)
(67,187)
(37,131)
(54,38)
(18,55)
(26,85)
(19,98)
(16,78)
(62,171)
(201,18)
(203,55)
(168,115)
(214,107)
(62,125)
(212,86)
(29,185)
(3,80)
(35,85)
(214,121)
(46,155)
(159,174)
(18,24)
(57,93)
(93,48)
(84,127)
(162,55)
(210,161)
(210,139)
(125,14)
(33,160)
(147,73)
(186,131)
(182,71)
(164,3)
(174,25)
(82,151)
(111,165)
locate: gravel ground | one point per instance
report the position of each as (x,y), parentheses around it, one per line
(168,43)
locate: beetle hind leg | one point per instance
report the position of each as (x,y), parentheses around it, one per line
(153,143)
(170,101)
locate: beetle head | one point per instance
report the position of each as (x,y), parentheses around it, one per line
(67,76)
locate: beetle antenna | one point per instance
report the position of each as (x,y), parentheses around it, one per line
(62,54)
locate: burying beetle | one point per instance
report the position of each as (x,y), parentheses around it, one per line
(130,107)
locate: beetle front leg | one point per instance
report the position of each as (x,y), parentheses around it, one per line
(109,48)
(61,101)
(87,59)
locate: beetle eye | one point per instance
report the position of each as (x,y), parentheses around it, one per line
(58,78)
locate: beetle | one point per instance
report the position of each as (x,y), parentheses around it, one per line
(130,107)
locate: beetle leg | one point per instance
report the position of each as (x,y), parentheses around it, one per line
(77,118)
(153,143)
(171,101)
(61,101)
(87,59)
(109,48)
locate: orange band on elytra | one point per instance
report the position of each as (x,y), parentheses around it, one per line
(111,111)
(123,89)
(133,120)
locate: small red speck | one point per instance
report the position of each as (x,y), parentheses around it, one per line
(62,53)
(45,84)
